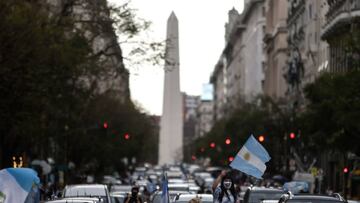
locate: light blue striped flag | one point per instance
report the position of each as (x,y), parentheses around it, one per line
(19,185)
(165,190)
(251,158)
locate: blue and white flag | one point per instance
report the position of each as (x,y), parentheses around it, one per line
(251,158)
(19,185)
(165,190)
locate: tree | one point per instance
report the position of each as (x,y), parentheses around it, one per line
(331,120)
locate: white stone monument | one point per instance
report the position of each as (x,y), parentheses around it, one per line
(171,126)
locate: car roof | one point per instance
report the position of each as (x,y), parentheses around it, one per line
(76,199)
(318,197)
(263,189)
(188,197)
(87,186)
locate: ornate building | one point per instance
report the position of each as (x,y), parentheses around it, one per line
(341,31)
(275,39)
(238,74)
(307,52)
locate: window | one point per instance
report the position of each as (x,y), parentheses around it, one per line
(310,11)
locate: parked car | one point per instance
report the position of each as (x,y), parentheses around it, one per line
(77,200)
(87,190)
(258,194)
(307,198)
(117,198)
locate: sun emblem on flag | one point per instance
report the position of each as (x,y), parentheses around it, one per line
(2,197)
(247,156)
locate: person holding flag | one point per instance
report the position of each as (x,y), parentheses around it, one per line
(225,191)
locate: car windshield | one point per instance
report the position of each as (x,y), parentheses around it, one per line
(257,197)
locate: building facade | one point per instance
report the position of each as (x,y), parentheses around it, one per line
(275,44)
(204,121)
(307,52)
(238,75)
(341,29)
(190,104)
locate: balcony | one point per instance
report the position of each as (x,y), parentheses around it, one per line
(340,13)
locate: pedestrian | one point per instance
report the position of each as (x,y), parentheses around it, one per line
(224,189)
(134,196)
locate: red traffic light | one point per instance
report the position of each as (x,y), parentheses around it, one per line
(346,170)
(127,136)
(231,158)
(212,145)
(227,141)
(105,125)
(261,138)
(193,157)
(292,136)
(202,149)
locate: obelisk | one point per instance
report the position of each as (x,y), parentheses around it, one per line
(171,126)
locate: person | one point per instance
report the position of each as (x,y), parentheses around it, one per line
(224,189)
(133,197)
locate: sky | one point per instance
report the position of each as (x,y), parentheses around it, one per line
(201,41)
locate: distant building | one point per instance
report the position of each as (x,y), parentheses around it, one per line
(204,118)
(238,75)
(342,18)
(190,105)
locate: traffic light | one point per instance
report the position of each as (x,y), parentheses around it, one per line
(127,136)
(292,136)
(261,138)
(227,141)
(193,157)
(105,125)
(231,158)
(212,144)
(346,170)
(202,149)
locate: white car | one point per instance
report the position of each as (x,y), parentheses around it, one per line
(88,190)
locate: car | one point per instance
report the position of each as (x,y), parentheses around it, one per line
(123,189)
(77,200)
(310,198)
(185,198)
(117,198)
(178,187)
(258,194)
(87,190)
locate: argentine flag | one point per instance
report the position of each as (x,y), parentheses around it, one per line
(165,190)
(251,158)
(19,185)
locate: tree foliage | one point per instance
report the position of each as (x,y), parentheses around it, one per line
(331,120)
(261,117)
(54,98)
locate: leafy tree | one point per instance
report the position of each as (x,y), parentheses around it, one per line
(331,120)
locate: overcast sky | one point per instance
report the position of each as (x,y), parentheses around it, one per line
(201,35)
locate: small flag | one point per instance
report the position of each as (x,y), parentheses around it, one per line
(165,190)
(19,185)
(251,158)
